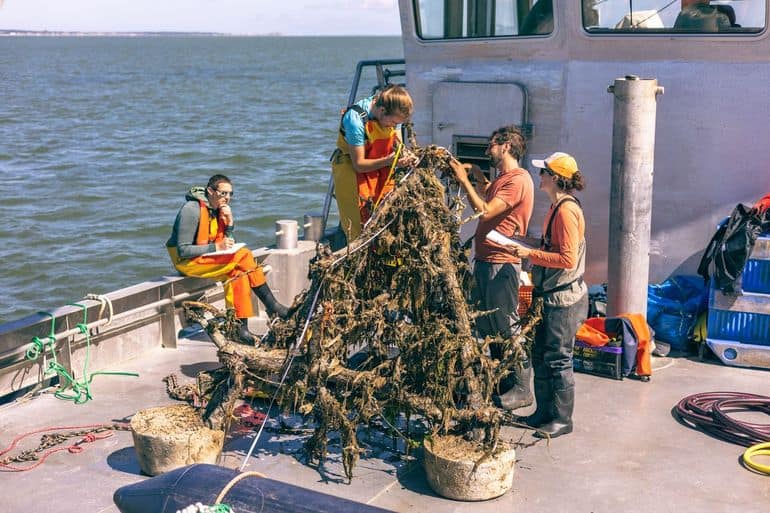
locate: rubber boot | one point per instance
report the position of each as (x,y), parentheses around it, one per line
(518,393)
(244,333)
(272,306)
(544,398)
(563,405)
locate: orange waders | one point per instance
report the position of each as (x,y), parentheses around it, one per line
(358,192)
(223,267)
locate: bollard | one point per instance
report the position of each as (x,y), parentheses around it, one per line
(312,227)
(633,152)
(286,234)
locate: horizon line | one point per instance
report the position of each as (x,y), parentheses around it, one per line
(23,32)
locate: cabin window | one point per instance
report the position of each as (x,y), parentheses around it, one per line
(674,16)
(466,19)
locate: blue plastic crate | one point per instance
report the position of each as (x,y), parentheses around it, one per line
(756,273)
(743,327)
(756,276)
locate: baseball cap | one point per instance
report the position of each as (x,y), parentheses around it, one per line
(559,163)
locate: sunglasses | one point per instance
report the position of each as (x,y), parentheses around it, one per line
(224,194)
(546,171)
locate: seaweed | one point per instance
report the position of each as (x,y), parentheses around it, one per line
(387,329)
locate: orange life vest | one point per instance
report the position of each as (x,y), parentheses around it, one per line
(209,229)
(373,185)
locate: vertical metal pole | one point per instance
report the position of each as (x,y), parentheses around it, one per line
(633,151)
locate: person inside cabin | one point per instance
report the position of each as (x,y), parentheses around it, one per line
(728,11)
(506,205)
(557,275)
(539,19)
(700,16)
(367,146)
(201,245)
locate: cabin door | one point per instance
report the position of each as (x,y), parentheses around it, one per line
(464,116)
(472,110)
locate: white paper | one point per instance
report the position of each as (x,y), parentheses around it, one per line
(499,238)
(235,247)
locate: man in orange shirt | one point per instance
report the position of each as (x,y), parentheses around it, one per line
(557,274)
(506,205)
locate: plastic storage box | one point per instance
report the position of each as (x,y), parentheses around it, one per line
(756,273)
(603,360)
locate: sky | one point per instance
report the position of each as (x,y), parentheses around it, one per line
(287,17)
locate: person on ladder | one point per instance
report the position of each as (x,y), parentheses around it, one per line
(366,149)
(202,243)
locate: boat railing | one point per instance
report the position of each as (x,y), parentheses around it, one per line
(138,318)
(127,322)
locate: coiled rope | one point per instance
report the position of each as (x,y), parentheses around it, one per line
(80,389)
(711,412)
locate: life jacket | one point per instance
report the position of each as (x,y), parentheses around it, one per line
(380,142)
(632,328)
(209,228)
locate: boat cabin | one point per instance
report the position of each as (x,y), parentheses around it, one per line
(545,65)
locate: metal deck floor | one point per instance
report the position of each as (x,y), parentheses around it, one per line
(627,453)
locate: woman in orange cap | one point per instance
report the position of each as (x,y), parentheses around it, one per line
(557,275)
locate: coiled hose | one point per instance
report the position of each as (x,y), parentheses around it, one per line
(757,450)
(710,412)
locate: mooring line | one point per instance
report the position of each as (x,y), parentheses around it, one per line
(283,378)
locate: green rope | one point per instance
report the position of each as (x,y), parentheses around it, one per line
(202,508)
(38,344)
(81,390)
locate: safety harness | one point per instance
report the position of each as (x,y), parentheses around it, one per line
(545,244)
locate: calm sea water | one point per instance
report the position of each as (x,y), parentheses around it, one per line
(101,137)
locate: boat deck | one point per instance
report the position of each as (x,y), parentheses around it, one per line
(627,453)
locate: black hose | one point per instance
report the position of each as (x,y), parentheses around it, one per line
(710,412)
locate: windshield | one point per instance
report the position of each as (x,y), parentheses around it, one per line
(674,16)
(465,19)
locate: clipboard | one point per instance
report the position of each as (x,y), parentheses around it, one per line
(235,247)
(499,238)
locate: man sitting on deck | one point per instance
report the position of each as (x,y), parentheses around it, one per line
(201,245)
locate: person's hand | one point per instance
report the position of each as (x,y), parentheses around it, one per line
(518,250)
(459,169)
(407,159)
(478,174)
(224,244)
(226,215)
